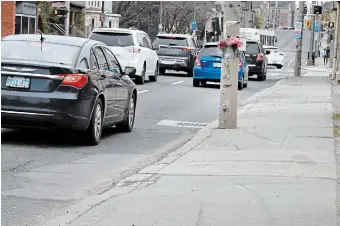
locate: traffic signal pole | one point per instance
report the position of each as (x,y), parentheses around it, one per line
(67,19)
(311,44)
(298,53)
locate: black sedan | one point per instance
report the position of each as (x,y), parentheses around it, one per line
(60,82)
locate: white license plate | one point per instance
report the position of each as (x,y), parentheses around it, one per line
(217,64)
(18,82)
(168,62)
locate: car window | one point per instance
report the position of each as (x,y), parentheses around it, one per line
(35,51)
(113,38)
(103,65)
(145,42)
(252,48)
(83,64)
(94,62)
(171,40)
(211,50)
(113,62)
(139,40)
(148,40)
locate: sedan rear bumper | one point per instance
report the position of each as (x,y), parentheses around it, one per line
(45,110)
(180,63)
(18,119)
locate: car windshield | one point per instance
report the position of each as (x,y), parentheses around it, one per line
(211,50)
(252,48)
(35,51)
(171,41)
(113,39)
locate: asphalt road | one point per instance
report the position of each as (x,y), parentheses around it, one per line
(44,172)
(287,43)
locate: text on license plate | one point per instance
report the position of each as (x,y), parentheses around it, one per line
(18,82)
(168,61)
(217,64)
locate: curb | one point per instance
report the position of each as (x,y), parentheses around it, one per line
(149,168)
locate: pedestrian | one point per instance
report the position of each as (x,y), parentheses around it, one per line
(328,53)
(326,56)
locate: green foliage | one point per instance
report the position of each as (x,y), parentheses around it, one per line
(45,14)
(259,22)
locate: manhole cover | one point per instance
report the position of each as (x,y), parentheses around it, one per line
(181,124)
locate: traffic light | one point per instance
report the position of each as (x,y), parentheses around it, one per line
(305,10)
(317,9)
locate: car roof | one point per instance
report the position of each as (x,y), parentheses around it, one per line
(123,30)
(66,40)
(270,47)
(211,43)
(173,35)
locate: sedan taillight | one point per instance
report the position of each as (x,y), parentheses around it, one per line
(259,57)
(76,80)
(198,61)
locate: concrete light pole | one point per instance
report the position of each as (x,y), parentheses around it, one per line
(229,69)
(67,18)
(298,53)
(160,26)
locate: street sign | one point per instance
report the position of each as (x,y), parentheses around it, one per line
(316,27)
(298,30)
(308,24)
(194,25)
(102,17)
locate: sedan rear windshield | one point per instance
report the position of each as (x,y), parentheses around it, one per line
(211,50)
(113,39)
(252,48)
(35,51)
(171,41)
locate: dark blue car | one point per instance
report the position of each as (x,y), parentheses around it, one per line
(208,67)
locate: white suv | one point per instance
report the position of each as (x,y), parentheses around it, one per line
(133,48)
(275,56)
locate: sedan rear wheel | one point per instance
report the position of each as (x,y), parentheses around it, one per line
(154,78)
(94,131)
(127,124)
(141,79)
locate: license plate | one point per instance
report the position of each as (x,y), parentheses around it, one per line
(18,82)
(217,64)
(168,62)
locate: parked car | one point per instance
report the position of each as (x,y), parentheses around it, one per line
(256,59)
(176,52)
(133,48)
(208,66)
(275,56)
(54,82)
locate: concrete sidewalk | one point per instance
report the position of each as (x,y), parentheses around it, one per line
(278,168)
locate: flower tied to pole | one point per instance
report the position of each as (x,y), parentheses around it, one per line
(230,42)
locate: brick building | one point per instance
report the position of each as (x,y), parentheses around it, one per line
(8,18)
(18,17)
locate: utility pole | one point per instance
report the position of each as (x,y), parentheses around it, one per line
(194,31)
(298,53)
(160,26)
(67,18)
(336,55)
(276,14)
(311,44)
(251,15)
(103,14)
(229,70)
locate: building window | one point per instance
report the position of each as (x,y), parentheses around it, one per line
(110,24)
(25,24)
(98,3)
(92,23)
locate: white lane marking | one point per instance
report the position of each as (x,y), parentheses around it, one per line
(174,83)
(291,61)
(143,91)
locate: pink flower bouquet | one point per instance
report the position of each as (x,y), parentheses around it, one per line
(231,42)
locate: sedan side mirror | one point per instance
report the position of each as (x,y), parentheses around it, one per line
(130,71)
(267,52)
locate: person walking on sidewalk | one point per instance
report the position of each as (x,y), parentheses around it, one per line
(326,55)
